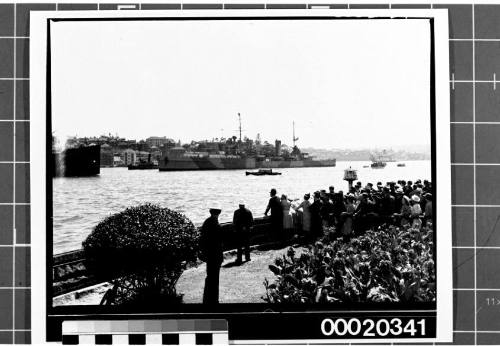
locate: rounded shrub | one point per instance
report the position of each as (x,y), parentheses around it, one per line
(144,250)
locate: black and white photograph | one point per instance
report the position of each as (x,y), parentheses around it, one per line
(244,163)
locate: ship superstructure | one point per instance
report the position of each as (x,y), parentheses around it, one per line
(234,153)
(380,159)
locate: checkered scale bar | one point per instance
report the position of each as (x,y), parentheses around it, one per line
(145,332)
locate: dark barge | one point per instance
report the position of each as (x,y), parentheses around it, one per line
(83,161)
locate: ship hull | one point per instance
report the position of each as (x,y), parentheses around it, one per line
(141,167)
(77,162)
(208,163)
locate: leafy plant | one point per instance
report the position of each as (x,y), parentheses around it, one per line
(144,249)
(389,264)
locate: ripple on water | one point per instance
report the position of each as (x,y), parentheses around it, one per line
(81,203)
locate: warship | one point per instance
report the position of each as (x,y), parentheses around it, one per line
(234,154)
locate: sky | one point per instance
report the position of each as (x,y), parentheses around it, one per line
(345,83)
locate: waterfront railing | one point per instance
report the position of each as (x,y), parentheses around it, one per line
(69,271)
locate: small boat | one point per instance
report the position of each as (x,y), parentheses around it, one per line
(378,164)
(263,172)
(143,165)
(401,165)
(379,160)
(366,166)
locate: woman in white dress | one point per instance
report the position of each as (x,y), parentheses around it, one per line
(306,214)
(287,216)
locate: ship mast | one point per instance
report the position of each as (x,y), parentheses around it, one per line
(239,118)
(294,139)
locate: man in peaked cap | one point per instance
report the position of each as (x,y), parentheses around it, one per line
(331,193)
(243,221)
(211,252)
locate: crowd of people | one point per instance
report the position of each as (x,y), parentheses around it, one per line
(362,208)
(350,214)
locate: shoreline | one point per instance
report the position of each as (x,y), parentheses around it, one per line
(243,169)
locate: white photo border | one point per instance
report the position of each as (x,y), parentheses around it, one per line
(38,66)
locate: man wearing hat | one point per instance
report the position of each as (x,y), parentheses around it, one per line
(339,207)
(427,186)
(358,186)
(326,209)
(211,252)
(386,205)
(361,212)
(276,209)
(315,209)
(242,221)
(408,188)
(398,199)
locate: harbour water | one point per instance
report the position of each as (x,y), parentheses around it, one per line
(81,203)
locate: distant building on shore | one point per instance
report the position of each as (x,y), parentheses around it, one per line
(142,156)
(133,157)
(118,161)
(158,142)
(129,157)
(106,156)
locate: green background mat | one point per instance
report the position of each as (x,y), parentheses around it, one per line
(475,146)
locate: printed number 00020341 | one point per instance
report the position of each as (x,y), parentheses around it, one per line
(371,328)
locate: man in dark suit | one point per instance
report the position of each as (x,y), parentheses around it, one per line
(316,221)
(243,221)
(211,252)
(276,213)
